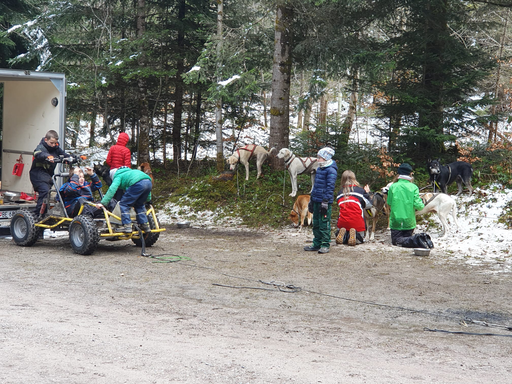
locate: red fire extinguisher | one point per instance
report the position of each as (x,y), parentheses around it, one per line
(18,167)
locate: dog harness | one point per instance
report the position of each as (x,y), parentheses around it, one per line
(246,148)
(447,181)
(307,167)
(429,200)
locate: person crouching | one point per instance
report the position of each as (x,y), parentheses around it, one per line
(137,186)
(352,200)
(404,199)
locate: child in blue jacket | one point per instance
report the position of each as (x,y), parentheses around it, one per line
(321,200)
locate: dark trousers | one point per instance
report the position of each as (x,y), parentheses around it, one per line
(135,196)
(42,183)
(42,188)
(321,227)
(404,238)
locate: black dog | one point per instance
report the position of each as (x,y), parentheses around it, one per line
(104,172)
(443,175)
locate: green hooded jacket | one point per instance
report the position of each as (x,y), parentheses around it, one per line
(124,178)
(404,199)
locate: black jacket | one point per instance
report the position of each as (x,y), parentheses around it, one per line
(41,168)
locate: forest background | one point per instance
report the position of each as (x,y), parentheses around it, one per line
(180,76)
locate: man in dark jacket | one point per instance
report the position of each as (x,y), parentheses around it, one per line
(321,200)
(43,166)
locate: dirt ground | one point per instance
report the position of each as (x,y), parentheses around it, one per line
(249,307)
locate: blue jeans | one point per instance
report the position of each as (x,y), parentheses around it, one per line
(135,196)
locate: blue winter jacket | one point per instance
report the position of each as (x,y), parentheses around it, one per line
(325,182)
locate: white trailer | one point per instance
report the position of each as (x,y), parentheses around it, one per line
(32,104)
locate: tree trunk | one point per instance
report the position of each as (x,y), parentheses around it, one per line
(322,115)
(346,127)
(218,103)
(281,73)
(264,99)
(493,125)
(178,92)
(92,130)
(307,116)
(197,125)
(164,136)
(143,139)
(433,77)
(301,110)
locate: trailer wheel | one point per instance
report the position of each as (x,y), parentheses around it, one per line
(23,229)
(83,235)
(149,238)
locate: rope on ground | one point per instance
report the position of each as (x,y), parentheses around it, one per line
(290,288)
(465,333)
(163,258)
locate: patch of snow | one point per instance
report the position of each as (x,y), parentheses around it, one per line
(230,80)
(481,239)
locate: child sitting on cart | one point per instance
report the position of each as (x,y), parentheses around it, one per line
(76,191)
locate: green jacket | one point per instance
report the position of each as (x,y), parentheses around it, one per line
(123,179)
(404,199)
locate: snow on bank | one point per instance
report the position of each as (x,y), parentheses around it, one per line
(480,240)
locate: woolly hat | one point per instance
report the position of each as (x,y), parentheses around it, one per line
(404,169)
(113,172)
(326,153)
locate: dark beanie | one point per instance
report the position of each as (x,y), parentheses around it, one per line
(404,169)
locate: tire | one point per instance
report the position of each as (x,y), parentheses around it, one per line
(83,235)
(149,238)
(23,229)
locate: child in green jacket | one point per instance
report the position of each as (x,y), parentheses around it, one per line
(137,186)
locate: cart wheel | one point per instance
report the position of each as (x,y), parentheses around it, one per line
(23,229)
(83,235)
(149,238)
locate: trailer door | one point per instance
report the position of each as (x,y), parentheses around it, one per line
(31,107)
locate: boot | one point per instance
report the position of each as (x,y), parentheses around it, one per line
(427,240)
(340,238)
(419,239)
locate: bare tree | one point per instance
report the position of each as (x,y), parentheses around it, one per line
(281,74)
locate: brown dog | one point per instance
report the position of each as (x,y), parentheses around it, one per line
(300,212)
(372,215)
(146,168)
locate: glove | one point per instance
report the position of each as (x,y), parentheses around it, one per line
(310,206)
(50,159)
(323,208)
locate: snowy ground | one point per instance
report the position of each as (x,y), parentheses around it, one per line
(480,239)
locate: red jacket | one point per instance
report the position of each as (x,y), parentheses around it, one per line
(351,209)
(119,155)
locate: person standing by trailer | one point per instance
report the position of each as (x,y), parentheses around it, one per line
(43,167)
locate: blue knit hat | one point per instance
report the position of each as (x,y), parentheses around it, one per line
(326,153)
